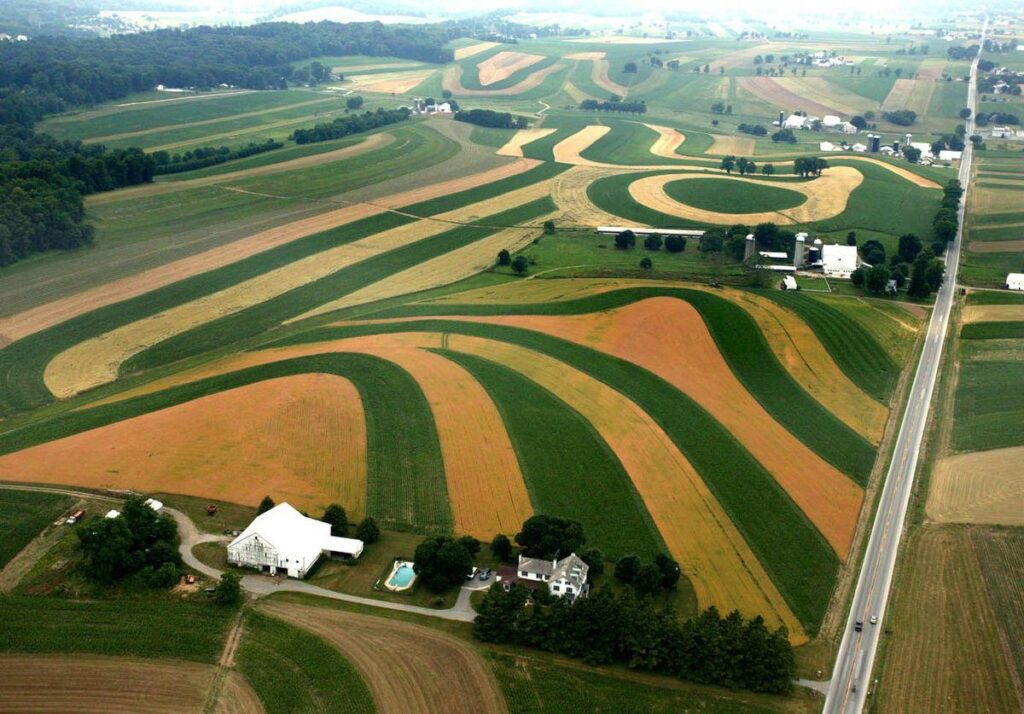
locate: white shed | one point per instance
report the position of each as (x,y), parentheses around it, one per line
(1015,281)
(838,261)
(282,539)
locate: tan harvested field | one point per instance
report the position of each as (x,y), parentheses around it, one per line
(485,486)
(914,178)
(599,75)
(514,146)
(986,199)
(470,50)
(652,333)
(503,65)
(576,94)
(742,58)
(568,150)
(445,269)
(992,313)
(301,438)
(584,56)
(409,669)
(90,683)
(984,487)
(944,654)
(996,246)
(49,314)
(452,81)
(621,40)
(792,341)
(826,195)
(370,143)
(931,69)
(206,122)
(569,192)
(391,82)
(668,141)
(825,93)
(731,145)
(913,94)
(771,90)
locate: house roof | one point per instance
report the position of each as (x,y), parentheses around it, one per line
(536,565)
(572,569)
(287,530)
(337,544)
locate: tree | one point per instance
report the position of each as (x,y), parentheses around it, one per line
(229,589)
(851,238)
(857,276)
(594,558)
(368,531)
(784,136)
(625,240)
(876,279)
(859,122)
(138,542)
(501,547)
(549,227)
(912,154)
(712,241)
(935,273)
(965,113)
(873,252)
(446,94)
(548,537)
(909,247)
(354,102)
(653,242)
(630,68)
(768,169)
(728,164)
(336,516)
(265,505)
(499,616)
(442,563)
(504,257)
(675,244)
(669,570)
(471,544)
(646,263)
(627,567)
(919,287)
(647,580)
(520,264)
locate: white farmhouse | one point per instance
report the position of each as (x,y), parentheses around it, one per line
(838,261)
(1015,281)
(284,540)
(565,577)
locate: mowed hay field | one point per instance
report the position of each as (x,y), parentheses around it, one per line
(978,487)
(408,668)
(34,683)
(957,620)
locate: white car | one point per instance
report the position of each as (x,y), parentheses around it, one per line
(874,619)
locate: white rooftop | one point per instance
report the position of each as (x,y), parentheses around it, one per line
(287,529)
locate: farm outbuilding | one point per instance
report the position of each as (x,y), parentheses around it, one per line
(838,261)
(284,540)
(1015,281)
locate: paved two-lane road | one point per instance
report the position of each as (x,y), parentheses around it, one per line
(851,677)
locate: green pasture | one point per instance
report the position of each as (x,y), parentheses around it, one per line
(629,142)
(561,457)
(793,552)
(996,233)
(293,670)
(490,136)
(128,628)
(989,269)
(406,488)
(23,515)
(744,348)
(1009,330)
(113,119)
(989,407)
(994,297)
(853,348)
(732,196)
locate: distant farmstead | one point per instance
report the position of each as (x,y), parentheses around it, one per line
(1015,281)
(282,540)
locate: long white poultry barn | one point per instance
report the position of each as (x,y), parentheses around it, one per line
(284,540)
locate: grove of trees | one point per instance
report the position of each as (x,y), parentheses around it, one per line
(352,124)
(491,118)
(139,544)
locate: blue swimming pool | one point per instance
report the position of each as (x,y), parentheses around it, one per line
(402,576)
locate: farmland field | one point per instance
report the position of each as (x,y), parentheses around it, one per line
(23,514)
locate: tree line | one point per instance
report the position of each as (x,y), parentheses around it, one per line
(593,105)
(208,156)
(491,118)
(353,124)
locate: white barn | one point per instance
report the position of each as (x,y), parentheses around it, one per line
(1015,281)
(283,540)
(838,261)
(565,577)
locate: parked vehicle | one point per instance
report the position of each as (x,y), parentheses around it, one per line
(75,517)
(472,573)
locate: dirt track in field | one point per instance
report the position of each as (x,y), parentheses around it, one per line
(409,669)
(979,487)
(827,196)
(110,685)
(49,314)
(371,143)
(204,122)
(503,65)
(470,50)
(300,438)
(514,146)
(485,486)
(452,81)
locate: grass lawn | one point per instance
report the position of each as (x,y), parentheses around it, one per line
(142,628)
(732,196)
(23,514)
(229,516)
(293,670)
